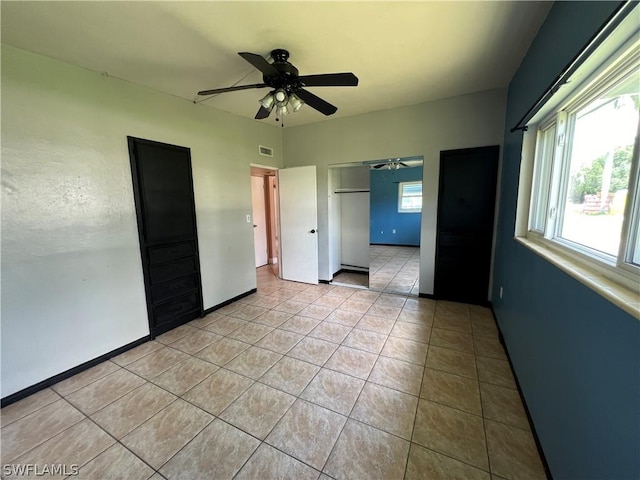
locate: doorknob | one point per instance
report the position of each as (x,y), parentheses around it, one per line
(313,231)
(255,226)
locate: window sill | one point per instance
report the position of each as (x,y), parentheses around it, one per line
(621,296)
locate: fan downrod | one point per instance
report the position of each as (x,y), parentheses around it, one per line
(280,55)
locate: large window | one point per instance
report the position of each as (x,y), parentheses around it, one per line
(410,197)
(584,188)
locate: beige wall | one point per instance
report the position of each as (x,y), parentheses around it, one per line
(72,285)
(426,129)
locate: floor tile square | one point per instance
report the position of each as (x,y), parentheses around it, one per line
(82,379)
(28,405)
(115,462)
(411,331)
(225,325)
(376,324)
(74,446)
(503,405)
(162,436)
(290,375)
(424,463)
(498,372)
(247,312)
(157,362)
(452,432)
(406,350)
(452,339)
(218,391)
(280,341)
(313,350)
(452,361)
(331,332)
(356,306)
(250,333)
(290,306)
(333,390)
(132,410)
(386,409)
(420,317)
(222,351)
(269,463)
(102,392)
(344,317)
(365,340)
(512,452)
(353,362)
(384,311)
(253,362)
(396,374)
(273,318)
(451,390)
(366,452)
(136,353)
(316,311)
(218,451)
(258,410)
(175,334)
(301,325)
(36,428)
(489,347)
(185,375)
(195,342)
(307,432)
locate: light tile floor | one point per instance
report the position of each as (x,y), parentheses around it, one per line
(290,382)
(392,269)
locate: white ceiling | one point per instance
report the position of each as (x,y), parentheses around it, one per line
(403,52)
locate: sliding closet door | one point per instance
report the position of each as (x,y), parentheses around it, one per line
(163,190)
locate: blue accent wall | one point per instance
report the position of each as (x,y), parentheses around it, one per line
(384,208)
(576,355)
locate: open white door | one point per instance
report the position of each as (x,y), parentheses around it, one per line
(259,220)
(298,224)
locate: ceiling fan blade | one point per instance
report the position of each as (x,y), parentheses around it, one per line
(316,102)
(403,164)
(260,63)
(380,165)
(231,89)
(330,80)
(262,113)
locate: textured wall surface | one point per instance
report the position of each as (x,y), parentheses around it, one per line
(72,285)
(576,355)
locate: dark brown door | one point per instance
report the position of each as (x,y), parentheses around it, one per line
(163,190)
(466,204)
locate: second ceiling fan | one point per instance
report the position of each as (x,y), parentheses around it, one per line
(288,88)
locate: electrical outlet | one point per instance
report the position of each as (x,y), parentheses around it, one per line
(501,292)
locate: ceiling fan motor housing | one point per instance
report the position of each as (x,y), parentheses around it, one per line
(288,74)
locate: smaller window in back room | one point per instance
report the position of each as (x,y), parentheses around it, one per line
(410,197)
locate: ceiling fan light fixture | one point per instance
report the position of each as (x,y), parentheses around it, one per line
(295,102)
(268,100)
(282,110)
(281,97)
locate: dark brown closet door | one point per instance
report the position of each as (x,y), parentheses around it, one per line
(466,205)
(163,190)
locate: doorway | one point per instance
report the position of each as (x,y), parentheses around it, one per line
(264,203)
(165,207)
(372,243)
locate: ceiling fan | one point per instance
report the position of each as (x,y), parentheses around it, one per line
(288,93)
(391,164)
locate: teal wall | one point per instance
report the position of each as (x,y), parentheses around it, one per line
(383,212)
(576,355)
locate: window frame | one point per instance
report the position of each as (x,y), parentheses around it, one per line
(561,114)
(401,195)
